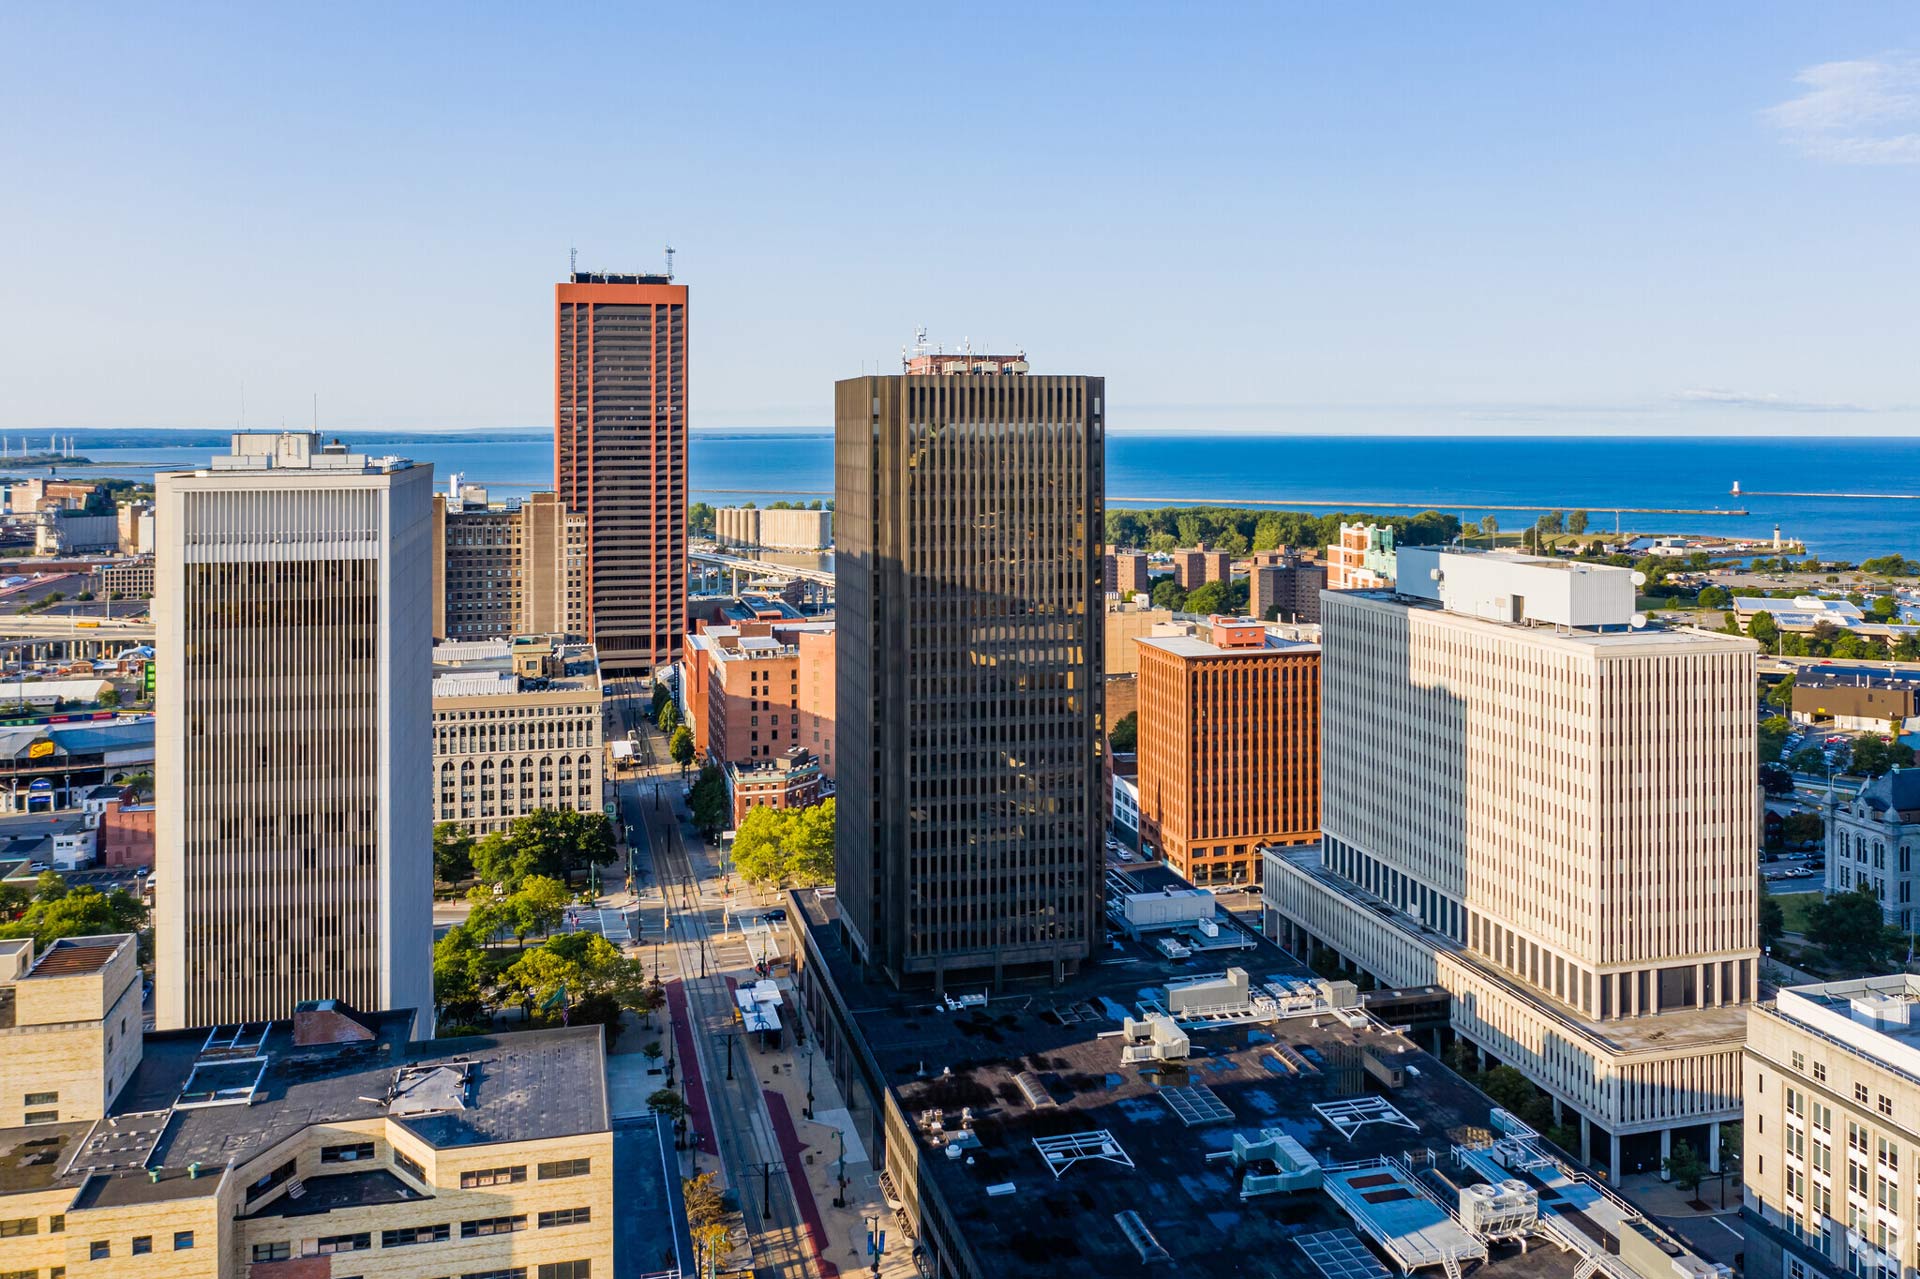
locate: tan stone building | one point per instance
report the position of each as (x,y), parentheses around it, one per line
(780,529)
(1363,559)
(1228,749)
(1832,1132)
(328,1144)
(518,725)
(1550,811)
(1126,623)
(502,570)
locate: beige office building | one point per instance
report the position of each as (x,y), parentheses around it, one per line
(773,530)
(326,1143)
(502,570)
(517,725)
(1552,812)
(292,856)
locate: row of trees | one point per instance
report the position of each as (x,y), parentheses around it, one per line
(786,846)
(1208,597)
(52,911)
(1825,640)
(551,842)
(1238,530)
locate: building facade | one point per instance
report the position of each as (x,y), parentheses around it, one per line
(1125,623)
(131,581)
(1124,573)
(293,757)
(504,570)
(968,637)
(763,688)
(323,1144)
(1363,560)
(1282,587)
(1551,813)
(1196,566)
(1832,1132)
(620,458)
(1873,842)
(790,780)
(1228,749)
(517,726)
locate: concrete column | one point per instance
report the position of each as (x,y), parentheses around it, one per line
(1713,1146)
(1586,1142)
(1613,1158)
(1666,1150)
(1558,1117)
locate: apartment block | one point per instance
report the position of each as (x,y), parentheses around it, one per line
(1363,559)
(1197,566)
(1540,803)
(517,726)
(620,458)
(968,511)
(1832,1131)
(508,569)
(325,1143)
(293,778)
(763,687)
(1282,587)
(1124,573)
(1228,749)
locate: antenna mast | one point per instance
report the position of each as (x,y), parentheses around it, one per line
(573,262)
(669,261)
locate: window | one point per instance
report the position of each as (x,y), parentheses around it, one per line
(1860,1093)
(346,1154)
(1820,1071)
(566,1217)
(492,1177)
(411,1166)
(19,1226)
(56,1223)
(277,1177)
(565,1168)
(43,1116)
(413,1235)
(99,1250)
(142,1245)
(182,1240)
(482,1226)
(1885,1104)
(327,1244)
(271,1252)
(511,1272)
(567,1270)
(43,1099)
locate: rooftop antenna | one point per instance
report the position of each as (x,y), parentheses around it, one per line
(669,261)
(573,261)
(316,410)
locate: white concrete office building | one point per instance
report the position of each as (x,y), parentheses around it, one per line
(1832,1132)
(292,612)
(1553,813)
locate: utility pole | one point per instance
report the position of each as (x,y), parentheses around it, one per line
(809,1108)
(840,1199)
(876,1241)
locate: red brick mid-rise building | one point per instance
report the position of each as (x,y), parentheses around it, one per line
(756,689)
(1228,748)
(620,457)
(1125,572)
(1283,587)
(1197,566)
(792,780)
(126,831)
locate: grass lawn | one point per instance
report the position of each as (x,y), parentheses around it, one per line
(1794,908)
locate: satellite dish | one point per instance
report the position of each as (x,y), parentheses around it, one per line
(1639,578)
(1637,621)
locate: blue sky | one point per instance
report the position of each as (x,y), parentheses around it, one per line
(1393,218)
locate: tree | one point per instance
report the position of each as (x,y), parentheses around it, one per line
(452,853)
(1125,734)
(1780,696)
(537,905)
(706,1218)
(1773,737)
(660,698)
(1775,780)
(78,912)
(1207,598)
(711,807)
(1884,607)
(1803,828)
(1773,920)
(1874,755)
(1891,566)
(1577,522)
(572,964)
(1763,628)
(459,970)
(786,845)
(1714,597)
(669,717)
(110,697)
(810,845)
(1490,525)
(1169,594)
(548,841)
(757,854)
(49,886)
(1683,1167)
(1853,930)
(680,746)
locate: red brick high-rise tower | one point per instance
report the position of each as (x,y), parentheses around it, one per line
(620,457)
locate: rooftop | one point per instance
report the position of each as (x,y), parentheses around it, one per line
(206,1098)
(486,668)
(253,452)
(1871,1016)
(1068,1130)
(73,956)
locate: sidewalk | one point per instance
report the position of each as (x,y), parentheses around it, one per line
(1659,1198)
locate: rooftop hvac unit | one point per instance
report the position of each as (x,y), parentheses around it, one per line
(1506,1211)
(1157,1038)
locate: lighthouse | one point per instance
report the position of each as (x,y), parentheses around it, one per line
(1736,488)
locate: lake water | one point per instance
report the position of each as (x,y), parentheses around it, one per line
(1462,475)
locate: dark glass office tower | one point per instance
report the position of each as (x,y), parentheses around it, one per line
(967,545)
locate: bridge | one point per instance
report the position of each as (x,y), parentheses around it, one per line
(742,566)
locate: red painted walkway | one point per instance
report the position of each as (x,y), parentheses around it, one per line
(687,1066)
(790,1148)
